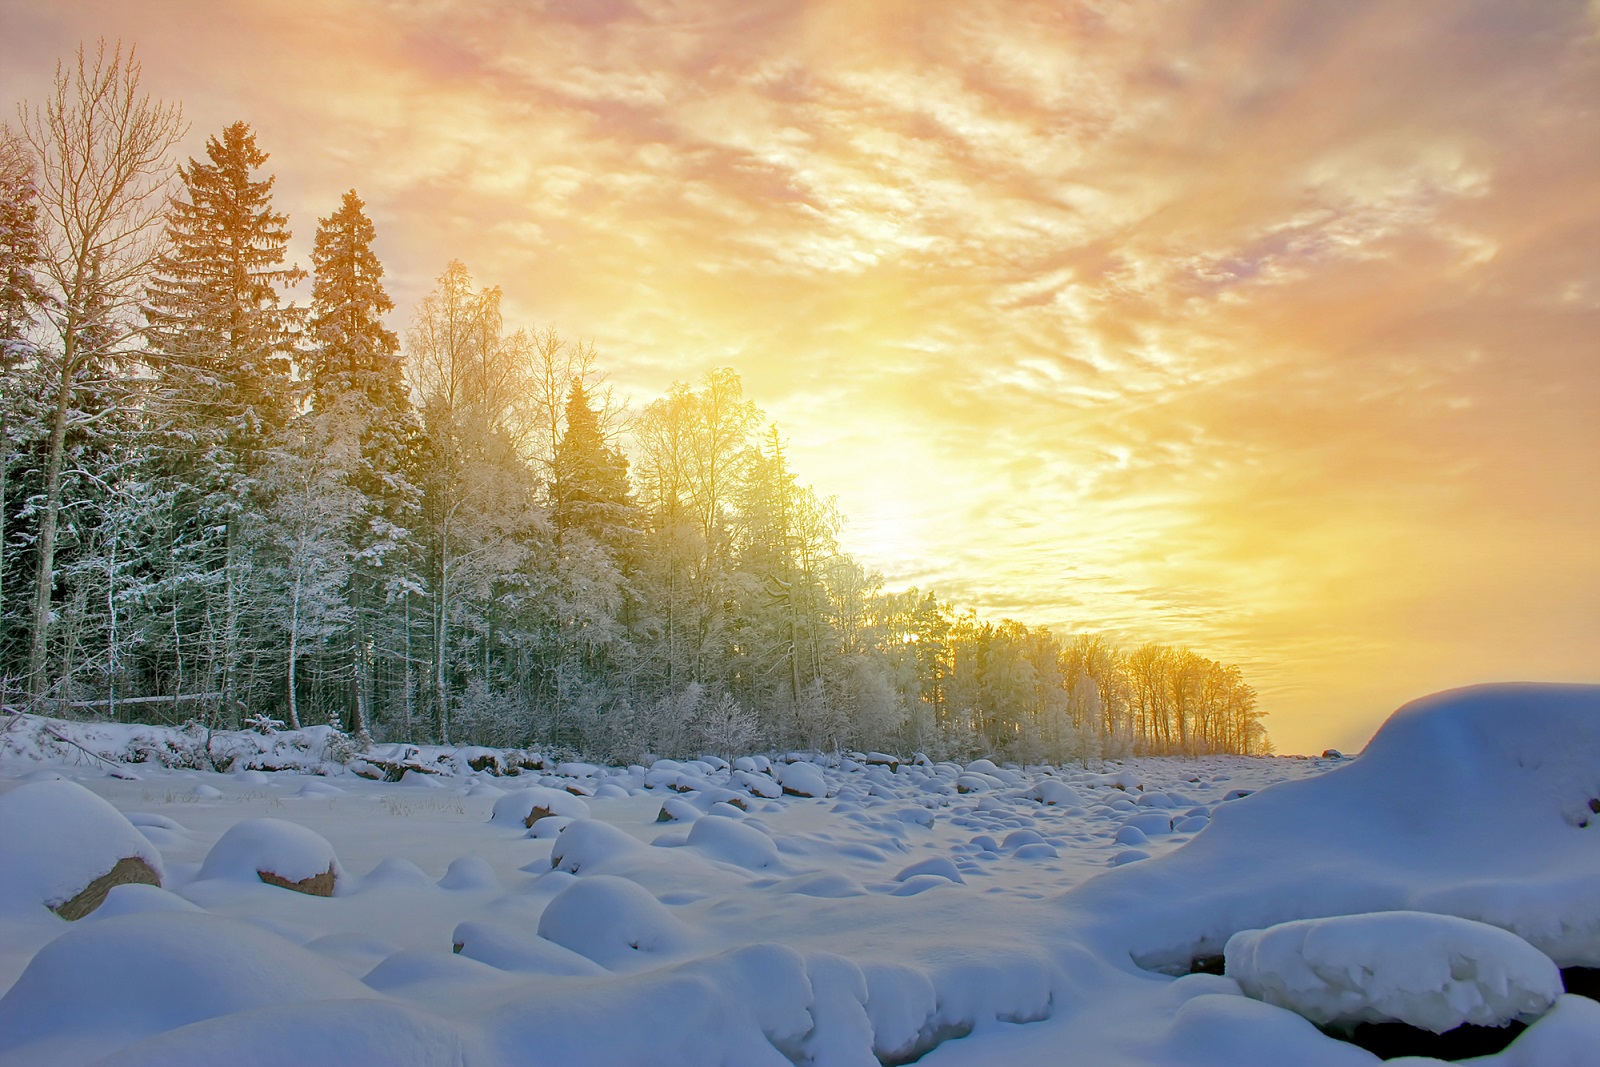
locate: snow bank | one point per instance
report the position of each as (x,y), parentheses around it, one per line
(1475,803)
(1431,971)
(63,848)
(277,852)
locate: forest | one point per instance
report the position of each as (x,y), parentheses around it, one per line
(231,491)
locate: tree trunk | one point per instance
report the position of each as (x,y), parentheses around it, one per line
(294,654)
(44,581)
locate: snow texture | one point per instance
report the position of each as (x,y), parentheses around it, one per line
(873,912)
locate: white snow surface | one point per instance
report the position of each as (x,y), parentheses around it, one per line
(1430,971)
(890,914)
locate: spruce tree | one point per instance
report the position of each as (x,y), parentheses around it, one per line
(357,379)
(216,321)
(590,491)
(351,349)
(221,339)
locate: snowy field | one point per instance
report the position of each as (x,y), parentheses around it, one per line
(826,911)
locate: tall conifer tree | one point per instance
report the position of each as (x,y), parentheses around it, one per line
(221,338)
(215,315)
(358,379)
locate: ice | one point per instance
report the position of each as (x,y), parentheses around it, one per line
(1430,971)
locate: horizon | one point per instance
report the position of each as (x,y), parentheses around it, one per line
(1267,333)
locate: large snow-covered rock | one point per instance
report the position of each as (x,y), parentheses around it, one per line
(1477,802)
(612,921)
(802,779)
(64,848)
(1431,971)
(734,842)
(277,852)
(524,807)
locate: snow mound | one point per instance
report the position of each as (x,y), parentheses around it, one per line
(292,855)
(612,921)
(1474,802)
(524,807)
(1051,793)
(103,985)
(469,873)
(1431,971)
(138,899)
(802,779)
(588,844)
(509,948)
(64,848)
(734,842)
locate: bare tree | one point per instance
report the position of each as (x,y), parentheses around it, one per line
(102,149)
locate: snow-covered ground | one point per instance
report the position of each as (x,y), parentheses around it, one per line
(697,913)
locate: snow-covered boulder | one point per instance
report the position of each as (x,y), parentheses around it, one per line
(734,842)
(612,921)
(64,848)
(935,866)
(276,852)
(801,779)
(524,807)
(1430,971)
(758,785)
(1476,803)
(1054,793)
(588,844)
(511,948)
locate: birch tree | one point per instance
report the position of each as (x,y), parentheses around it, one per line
(102,147)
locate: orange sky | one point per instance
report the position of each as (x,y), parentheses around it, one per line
(1272,328)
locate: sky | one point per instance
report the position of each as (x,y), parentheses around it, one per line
(1268,327)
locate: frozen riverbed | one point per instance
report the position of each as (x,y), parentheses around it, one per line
(698,913)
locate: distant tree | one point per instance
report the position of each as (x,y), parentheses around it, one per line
(590,492)
(479,523)
(21,296)
(101,146)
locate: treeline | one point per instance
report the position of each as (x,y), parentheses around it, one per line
(217,504)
